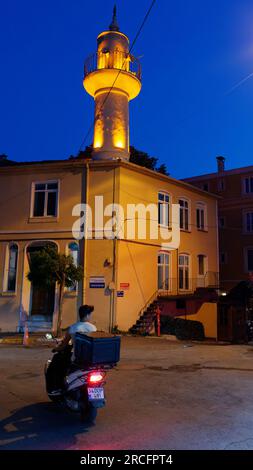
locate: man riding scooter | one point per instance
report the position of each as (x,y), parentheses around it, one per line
(62,361)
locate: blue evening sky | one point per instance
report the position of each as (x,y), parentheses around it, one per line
(193,53)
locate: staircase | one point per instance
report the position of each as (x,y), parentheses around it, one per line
(146,321)
(145,324)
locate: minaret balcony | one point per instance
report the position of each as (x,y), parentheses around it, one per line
(101,70)
(116,59)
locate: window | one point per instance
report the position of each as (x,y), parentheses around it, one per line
(223,258)
(183,266)
(201,265)
(248,185)
(184,214)
(221,221)
(163,209)
(249,259)
(205,186)
(10,278)
(220,185)
(163,270)
(248,222)
(73,250)
(201,216)
(45,199)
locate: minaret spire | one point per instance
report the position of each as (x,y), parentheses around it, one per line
(114,24)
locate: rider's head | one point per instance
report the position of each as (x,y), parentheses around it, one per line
(85,312)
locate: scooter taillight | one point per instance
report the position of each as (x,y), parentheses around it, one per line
(95,378)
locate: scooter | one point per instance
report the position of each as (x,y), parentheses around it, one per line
(83,390)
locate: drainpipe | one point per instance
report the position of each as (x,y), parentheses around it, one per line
(113,296)
(85,241)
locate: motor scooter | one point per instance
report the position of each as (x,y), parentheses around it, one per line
(83,389)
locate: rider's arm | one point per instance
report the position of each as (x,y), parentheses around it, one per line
(63,343)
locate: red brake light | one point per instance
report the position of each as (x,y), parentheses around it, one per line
(95,377)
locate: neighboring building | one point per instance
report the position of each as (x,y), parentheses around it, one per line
(122,276)
(235,209)
(235,188)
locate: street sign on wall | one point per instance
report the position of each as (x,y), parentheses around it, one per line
(97,282)
(120,293)
(124,285)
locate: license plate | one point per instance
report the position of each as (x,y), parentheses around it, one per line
(96,393)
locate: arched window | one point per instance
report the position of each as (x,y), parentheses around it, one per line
(184,271)
(163,270)
(10,279)
(73,250)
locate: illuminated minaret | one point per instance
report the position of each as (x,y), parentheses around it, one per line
(113,77)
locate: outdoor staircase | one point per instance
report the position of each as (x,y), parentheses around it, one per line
(145,324)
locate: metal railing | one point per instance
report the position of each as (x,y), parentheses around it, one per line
(174,287)
(114,59)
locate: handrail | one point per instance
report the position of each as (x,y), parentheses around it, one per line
(114,59)
(194,283)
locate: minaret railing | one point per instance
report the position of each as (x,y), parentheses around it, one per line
(116,59)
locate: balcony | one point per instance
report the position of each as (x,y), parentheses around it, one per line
(191,286)
(115,59)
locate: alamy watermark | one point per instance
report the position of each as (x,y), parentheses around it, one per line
(134,222)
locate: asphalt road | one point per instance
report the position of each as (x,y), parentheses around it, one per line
(163,395)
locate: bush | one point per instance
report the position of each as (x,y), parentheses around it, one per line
(182,329)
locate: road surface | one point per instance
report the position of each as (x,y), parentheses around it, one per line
(163,395)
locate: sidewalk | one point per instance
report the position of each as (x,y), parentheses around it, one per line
(34,339)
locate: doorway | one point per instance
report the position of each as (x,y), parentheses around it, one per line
(42,299)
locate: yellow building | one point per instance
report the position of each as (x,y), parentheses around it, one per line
(123,274)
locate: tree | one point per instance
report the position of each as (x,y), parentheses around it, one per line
(143,159)
(48,267)
(136,156)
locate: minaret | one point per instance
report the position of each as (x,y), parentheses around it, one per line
(112,70)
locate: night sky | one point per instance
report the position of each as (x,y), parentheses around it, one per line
(193,53)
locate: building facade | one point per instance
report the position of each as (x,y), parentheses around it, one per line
(42,202)
(235,208)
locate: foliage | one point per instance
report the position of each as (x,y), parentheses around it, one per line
(136,156)
(48,267)
(182,329)
(143,159)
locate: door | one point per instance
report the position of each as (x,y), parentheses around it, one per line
(163,271)
(43,302)
(42,299)
(202,270)
(183,272)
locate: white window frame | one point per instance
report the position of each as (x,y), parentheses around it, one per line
(45,204)
(187,200)
(166,253)
(244,179)
(5,290)
(165,204)
(202,207)
(184,289)
(246,267)
(245,214)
